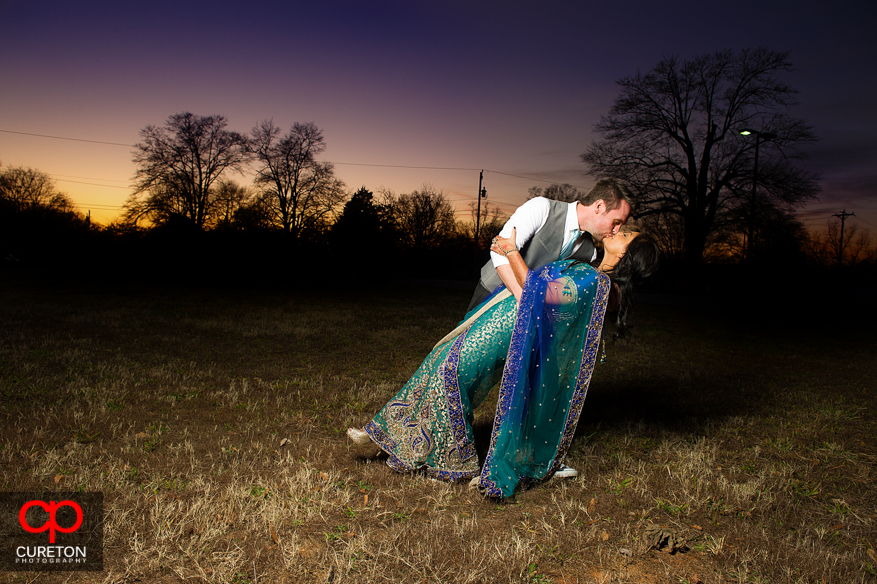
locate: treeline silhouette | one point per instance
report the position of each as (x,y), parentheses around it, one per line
(413,235)
(371,238)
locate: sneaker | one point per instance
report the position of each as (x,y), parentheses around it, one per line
(566,472)
(359,436)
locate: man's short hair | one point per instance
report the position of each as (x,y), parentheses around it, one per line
(611,191)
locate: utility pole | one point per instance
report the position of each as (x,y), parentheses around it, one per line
(481,193)
(840,246)
(759,137)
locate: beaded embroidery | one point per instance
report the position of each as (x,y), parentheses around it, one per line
(523,375)
(427,425)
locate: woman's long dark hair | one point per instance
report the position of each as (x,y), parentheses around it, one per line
(638,263)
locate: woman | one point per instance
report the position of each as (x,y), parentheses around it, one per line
(544,344)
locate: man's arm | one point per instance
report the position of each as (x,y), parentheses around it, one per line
(523,224)
(516,270)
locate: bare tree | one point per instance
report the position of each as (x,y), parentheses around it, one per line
(674,136)
(424,218)
(228,199)
(296,188)
(37,222)
(668,232)
(565,192)
(253,215)
(827,248)
(815,248)
(848,249)
(178,165)
(26,188)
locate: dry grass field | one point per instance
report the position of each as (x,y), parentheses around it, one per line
(713,448)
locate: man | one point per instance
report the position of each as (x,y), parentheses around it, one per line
(548,230)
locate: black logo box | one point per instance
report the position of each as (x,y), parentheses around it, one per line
(39,554)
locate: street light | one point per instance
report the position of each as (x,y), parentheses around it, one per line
(759,136)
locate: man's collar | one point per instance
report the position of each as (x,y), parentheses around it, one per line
(572,217)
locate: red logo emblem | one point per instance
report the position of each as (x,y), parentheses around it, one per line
(51,524)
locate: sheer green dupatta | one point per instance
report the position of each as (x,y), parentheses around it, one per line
(551,358)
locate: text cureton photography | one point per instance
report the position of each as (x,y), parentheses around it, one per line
(51,531)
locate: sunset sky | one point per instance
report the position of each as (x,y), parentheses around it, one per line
(446,88)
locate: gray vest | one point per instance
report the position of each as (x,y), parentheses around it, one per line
(544,247)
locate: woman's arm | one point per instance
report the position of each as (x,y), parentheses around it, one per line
(506,247)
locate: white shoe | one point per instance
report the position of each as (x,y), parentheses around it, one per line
(474,482)
(359,436)
(566,472)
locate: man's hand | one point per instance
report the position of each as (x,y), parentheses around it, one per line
(504,245)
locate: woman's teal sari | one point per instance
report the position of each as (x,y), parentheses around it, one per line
(545,349)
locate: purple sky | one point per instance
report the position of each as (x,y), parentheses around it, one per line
(504,86)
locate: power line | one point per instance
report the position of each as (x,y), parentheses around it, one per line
(65,138)
(529,178)
(411,167)
(859,219)
(329,161)
(402,166)
(92,184)
(60,176)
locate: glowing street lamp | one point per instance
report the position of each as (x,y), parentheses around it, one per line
(759,136)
